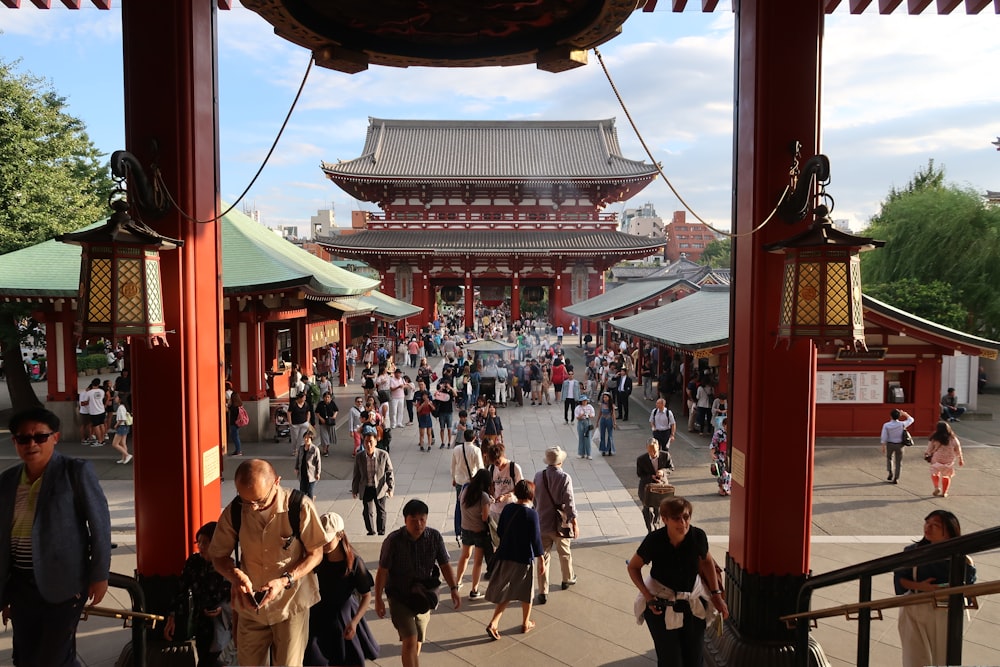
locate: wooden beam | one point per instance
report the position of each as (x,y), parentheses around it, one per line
(679,5)
(888,6)
(976,6)
(649,6)
(709,5)
(42,4)
(13,4)
(858,6)
(914,7)
(947,6)
(829,6)
(72,4)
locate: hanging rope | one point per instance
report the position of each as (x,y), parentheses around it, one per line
(161,186)
(659,169)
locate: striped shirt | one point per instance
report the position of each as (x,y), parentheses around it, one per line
(24,518)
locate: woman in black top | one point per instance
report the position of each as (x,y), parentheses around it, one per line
(338,633)
(492,429)
(683,573)
(923,628)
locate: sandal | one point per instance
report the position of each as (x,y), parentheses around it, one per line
(492,633)
(528,627)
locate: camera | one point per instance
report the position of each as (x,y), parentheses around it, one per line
(659,604)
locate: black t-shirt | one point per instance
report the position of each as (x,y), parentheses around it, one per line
(674,567)
(300,414)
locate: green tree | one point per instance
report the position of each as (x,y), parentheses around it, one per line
(718,254)
(939,232)
(936,301)
(52,180)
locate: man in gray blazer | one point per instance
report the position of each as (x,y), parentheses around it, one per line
(373,481)
(55,542)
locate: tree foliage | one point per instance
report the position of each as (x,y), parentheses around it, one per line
(936,301)
(52,180)
(718,254)
(51,176)
(941,234)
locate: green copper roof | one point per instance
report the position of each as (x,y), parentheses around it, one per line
(697,321)
(254,259)
(389,308)
(626,295)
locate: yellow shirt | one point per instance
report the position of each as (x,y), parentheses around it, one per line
(267,549)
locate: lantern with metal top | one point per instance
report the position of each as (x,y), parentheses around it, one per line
(120,290)
(821,289)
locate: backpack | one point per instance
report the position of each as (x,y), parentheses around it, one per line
(294,517)
(314,393)
(242,418)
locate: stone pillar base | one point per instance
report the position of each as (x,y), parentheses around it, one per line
(732,650)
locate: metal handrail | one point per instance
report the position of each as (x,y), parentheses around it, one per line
(953,550)
(939,595)
(138,597)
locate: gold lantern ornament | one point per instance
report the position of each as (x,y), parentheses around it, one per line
(821,286)
(121,296)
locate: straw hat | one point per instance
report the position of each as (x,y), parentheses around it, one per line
(332,523)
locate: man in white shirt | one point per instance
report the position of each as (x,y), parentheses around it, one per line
(96,412)
(892,443)
(663,424)
(466,461)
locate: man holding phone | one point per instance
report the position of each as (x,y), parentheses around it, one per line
(273,584)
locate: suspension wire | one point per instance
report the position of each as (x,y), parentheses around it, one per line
(659,168)
(161,185)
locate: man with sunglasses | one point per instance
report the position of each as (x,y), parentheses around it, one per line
(273,584)
(55,542)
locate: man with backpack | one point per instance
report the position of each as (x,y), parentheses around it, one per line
(273,594)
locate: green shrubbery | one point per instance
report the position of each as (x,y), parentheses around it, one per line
(86,362)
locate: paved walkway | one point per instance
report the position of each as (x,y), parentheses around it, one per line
(856,517)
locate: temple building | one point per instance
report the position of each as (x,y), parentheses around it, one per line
(498,207)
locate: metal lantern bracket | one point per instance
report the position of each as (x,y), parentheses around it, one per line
(148,197)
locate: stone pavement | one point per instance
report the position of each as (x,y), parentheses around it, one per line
(856,517)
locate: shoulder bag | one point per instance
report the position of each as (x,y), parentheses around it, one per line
(907,438)
(565,527)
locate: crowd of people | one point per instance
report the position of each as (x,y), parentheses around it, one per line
(307,604)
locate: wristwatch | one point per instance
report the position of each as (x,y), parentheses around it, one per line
(289,577)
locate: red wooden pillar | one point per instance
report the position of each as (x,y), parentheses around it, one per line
(345,333)
(252,338)
(60,354)
(515,297)
(470,301)
(778,68)
(171,120)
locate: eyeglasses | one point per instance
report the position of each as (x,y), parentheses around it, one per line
(262,502)
(26,439)
(681,517)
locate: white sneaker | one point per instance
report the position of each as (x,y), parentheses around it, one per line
(128,459)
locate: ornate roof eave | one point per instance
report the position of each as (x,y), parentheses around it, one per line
(367,179)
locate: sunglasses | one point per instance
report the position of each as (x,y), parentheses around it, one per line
(38,438)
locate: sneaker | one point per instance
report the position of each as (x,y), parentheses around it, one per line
(567,584)
(475,595)
(442,446)
(128,459)
(889,478)
(937,492)
(542,598)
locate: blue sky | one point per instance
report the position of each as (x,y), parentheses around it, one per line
(898,90)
